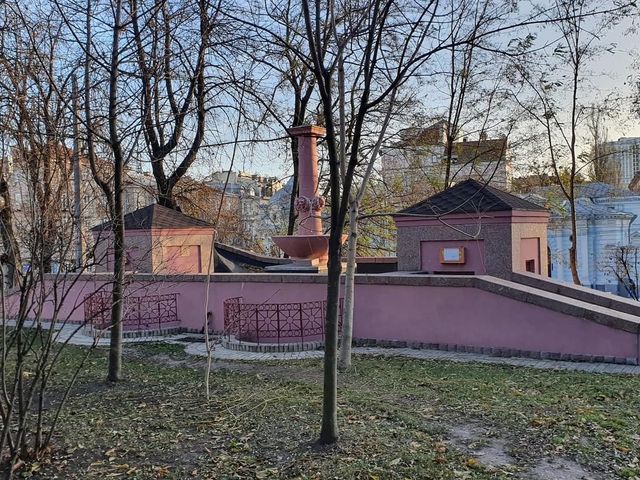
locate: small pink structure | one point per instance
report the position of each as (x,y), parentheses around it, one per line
(309,246)
(475,229)
(158,240)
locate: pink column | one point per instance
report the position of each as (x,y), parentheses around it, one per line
(308,204)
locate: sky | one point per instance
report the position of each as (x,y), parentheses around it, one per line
(609,74)
(612,75)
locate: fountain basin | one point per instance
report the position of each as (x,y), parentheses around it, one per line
(303,247)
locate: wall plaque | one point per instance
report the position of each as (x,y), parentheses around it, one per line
(452,255)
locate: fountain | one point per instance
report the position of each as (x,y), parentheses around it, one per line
(309,247)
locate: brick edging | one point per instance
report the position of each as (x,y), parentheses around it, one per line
(161,332)
(239,346)
(494,352)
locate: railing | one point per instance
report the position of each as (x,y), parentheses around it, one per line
(140,313)
(275,322)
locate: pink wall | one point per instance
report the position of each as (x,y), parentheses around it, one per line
(472,317)
(183,259)
(473,252)
(402,308)
(160,251)
(529,250)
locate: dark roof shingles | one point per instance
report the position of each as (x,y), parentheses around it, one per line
(156,216)
(470,196)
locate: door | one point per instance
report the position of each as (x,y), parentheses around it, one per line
(530,255)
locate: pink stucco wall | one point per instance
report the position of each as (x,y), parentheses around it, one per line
(159,251)
(395,308)
(473,252)
(472,317)
(182,259)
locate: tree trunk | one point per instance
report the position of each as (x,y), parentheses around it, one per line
(329,430)
(349,289)
(11,267)
(166,199)
(573,250)
(77,207)
(117,298)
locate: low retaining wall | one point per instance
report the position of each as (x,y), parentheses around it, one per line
(578,292)
(469,313)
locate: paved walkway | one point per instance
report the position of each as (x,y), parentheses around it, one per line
(226,354)
(76,336)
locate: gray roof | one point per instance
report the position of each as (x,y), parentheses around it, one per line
(587,209)
(588,190)
(470,196)
(156,216)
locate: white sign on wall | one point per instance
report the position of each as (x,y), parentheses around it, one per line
(452,255)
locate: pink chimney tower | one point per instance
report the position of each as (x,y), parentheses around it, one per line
(309,246)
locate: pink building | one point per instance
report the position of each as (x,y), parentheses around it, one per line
(158,240)
(473,228)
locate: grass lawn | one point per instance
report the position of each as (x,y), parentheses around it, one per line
(399,418)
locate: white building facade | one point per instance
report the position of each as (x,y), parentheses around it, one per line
(263,208)
(607,221)
(624,155)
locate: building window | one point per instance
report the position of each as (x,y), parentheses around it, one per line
(635,158)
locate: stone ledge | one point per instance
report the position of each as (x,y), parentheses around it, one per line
(578,292)
(494,352)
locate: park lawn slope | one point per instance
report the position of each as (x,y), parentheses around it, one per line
(399,418)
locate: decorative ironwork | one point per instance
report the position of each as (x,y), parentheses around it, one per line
(275,322)
(140,313)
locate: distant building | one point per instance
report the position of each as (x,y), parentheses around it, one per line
(262,206)
(247,219)
(624,156)
(606,223)
(48,205)
(417,161)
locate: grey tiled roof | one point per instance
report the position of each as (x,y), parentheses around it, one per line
(587,209)
(589,190)
(156,216)
(470,196)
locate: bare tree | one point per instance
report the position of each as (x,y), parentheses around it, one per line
(623,265)
(37,127)
(557,106)
(171,66)
(109,133)
(384,44)
(36,177)
(288,97)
